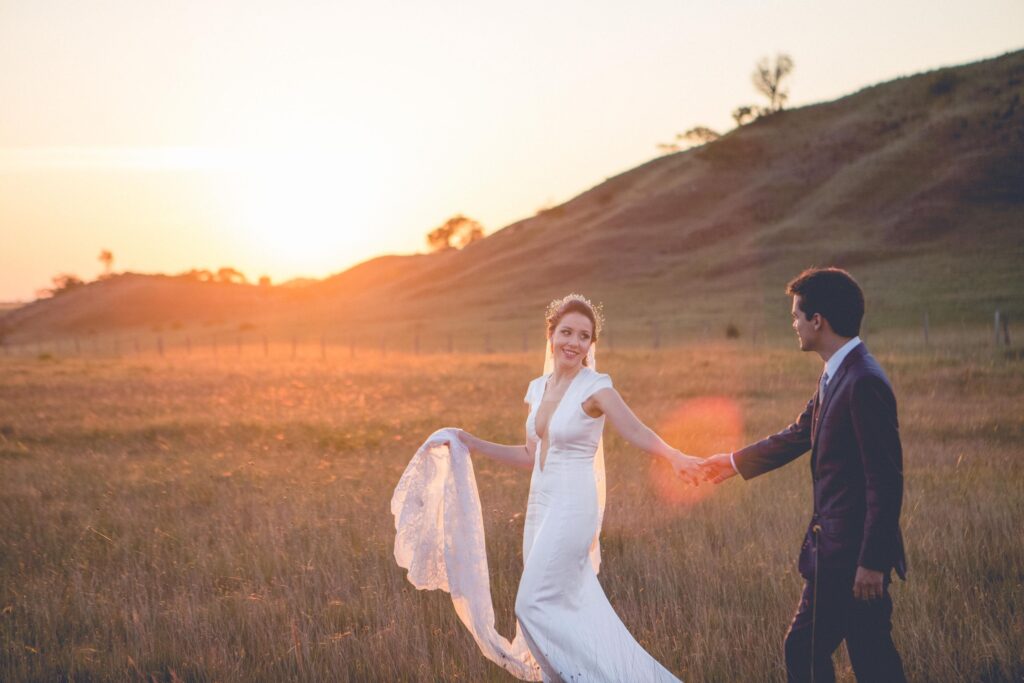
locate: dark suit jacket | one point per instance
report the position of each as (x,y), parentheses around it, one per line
(856,467)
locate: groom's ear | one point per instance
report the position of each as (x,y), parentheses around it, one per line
(822,324)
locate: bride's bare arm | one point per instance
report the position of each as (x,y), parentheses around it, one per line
(630,428)
(511,455)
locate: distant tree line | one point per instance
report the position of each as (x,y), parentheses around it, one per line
(66,282)
(225,274)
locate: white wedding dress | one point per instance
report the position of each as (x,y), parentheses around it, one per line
(566,628)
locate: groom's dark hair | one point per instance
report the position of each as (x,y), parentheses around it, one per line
(834,294)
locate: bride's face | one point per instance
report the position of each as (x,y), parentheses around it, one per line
(571,340)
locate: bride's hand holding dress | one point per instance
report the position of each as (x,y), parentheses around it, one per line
(518,455)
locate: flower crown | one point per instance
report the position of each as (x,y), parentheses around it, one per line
(597,309)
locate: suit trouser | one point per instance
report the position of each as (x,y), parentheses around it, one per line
(865,625)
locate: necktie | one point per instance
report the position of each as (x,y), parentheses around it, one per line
(822,387)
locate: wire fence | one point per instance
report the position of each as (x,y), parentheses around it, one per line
(337,345)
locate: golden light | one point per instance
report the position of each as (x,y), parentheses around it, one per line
(701,426)
(303,210)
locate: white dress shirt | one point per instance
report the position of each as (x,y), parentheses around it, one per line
(831,367)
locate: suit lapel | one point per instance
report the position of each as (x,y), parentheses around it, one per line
(833,386)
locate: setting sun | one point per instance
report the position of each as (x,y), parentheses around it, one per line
(300,210)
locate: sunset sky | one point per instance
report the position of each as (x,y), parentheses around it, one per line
(297,139)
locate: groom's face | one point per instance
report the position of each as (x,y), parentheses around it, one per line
(807,331)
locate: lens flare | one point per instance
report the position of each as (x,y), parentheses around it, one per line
(701,426)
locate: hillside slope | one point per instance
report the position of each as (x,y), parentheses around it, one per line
(917,185)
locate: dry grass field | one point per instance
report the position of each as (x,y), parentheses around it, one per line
(188,519)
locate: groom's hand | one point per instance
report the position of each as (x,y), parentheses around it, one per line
(868,584)
(718,468)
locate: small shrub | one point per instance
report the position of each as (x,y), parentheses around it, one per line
(551,211)
(942,84)
(732,332)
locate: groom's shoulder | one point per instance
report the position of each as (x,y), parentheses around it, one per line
(869,376)
(867,364)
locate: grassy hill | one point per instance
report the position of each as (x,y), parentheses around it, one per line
(916,185)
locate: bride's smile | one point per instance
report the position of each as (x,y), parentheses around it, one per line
(571,340)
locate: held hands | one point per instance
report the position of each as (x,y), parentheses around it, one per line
(717,468)
(686,467)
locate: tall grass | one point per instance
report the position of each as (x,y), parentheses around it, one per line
(181,518)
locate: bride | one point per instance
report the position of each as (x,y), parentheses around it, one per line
(569,627)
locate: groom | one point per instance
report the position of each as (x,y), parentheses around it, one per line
(853,540)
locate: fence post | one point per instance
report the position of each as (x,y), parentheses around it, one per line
(926,328)
(1006,330)
(995,338)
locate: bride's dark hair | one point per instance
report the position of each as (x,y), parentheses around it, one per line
(574,303)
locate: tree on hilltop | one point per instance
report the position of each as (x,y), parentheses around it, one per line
(106,257)
(62,284)
(695,137)
(745,114)
(228,274)
(455,233)
(197,274)
(768,77)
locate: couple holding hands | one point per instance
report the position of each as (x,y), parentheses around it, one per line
(566,628)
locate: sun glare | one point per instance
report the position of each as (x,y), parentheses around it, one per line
(301,210)
(701,426)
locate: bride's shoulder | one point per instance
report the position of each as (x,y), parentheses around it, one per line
(534,389)
(597,380)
